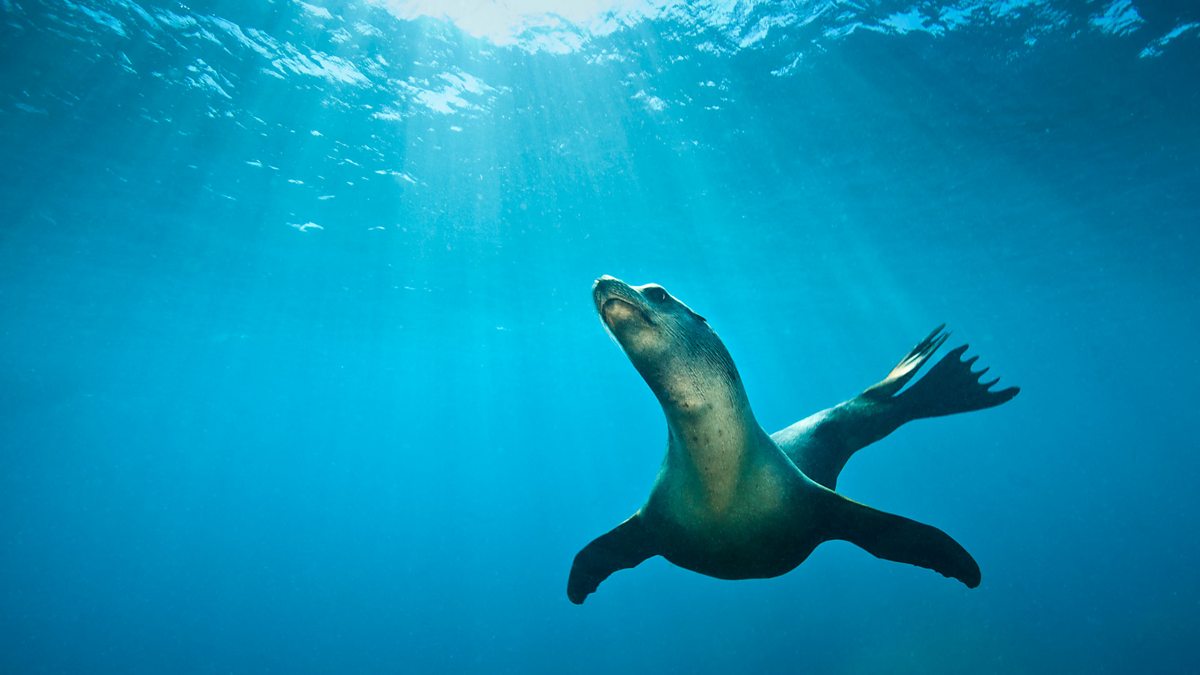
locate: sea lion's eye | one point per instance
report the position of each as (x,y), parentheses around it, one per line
(656,294)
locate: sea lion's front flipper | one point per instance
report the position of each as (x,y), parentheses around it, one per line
(899,539)
(627,545)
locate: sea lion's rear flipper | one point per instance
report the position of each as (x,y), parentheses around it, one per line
(899,539)
(909,365)
(627,545)
(821,444)
(951,387)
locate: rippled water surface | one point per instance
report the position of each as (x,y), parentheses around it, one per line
(300,371)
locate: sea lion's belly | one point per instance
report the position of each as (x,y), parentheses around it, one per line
(757,528)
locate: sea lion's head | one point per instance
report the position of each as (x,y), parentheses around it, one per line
(673,347)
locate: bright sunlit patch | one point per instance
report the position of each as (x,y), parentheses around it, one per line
(545,24)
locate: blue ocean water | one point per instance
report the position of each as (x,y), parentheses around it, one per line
(300,372)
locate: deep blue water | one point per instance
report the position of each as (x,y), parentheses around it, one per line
(300,372)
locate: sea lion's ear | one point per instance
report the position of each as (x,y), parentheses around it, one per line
(627,545)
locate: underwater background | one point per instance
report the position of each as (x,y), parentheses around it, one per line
(300,371)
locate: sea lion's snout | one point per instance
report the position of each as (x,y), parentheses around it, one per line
(603,287)
(616,311)
(617,302)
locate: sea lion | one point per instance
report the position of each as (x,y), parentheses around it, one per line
(732,501)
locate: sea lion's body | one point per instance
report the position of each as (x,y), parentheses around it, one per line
(731,528)
(733,502)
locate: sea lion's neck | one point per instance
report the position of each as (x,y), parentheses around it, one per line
(710,420)
(712,435)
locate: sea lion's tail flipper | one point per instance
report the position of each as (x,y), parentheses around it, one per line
(949,387)
(909,365)
(899,539)
(627,545)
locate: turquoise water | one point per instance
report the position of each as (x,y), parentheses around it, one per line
(300,371)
